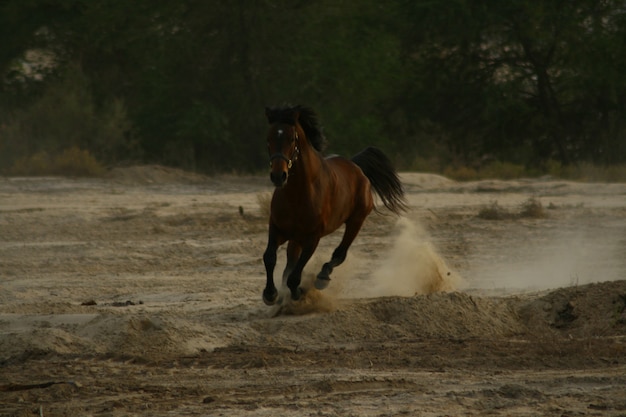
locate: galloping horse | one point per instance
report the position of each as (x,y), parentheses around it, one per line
(314,195)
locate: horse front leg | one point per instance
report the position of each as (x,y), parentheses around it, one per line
(293,254)
(270,294)
(294,250)
(295,276)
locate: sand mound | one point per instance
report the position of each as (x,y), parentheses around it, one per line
(439,315)
(424,181)
(154,174)
(591,310)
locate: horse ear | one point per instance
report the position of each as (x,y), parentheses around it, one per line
(296,116)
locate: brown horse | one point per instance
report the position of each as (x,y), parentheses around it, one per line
(314,195)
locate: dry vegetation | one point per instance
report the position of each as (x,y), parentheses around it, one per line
(73,162)
(531,209)
(508,171)
(264,201)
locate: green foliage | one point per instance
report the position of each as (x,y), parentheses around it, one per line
(523,81)
(64,117)
(434,83)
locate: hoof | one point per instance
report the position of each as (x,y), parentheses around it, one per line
(321,283)
(270,299)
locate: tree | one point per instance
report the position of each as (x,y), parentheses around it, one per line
(515,79)
(460,80)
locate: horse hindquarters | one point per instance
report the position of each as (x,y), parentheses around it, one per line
(363,204)
(385,182)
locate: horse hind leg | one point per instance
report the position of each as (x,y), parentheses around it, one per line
(323,278)
(339,255)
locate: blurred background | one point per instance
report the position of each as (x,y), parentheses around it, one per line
(459,87)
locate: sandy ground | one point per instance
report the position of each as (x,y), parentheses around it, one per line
(140,294)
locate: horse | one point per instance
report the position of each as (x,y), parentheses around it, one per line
(315,195)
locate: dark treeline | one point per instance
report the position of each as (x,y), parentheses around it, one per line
(185,82)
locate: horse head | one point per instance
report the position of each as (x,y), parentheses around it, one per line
(282,143)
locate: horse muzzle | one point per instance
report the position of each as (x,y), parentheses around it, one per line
(279,174)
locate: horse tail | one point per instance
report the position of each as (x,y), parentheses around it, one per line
(383,177)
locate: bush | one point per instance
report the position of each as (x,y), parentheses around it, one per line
(72,162)
(461,173)
(65,119)
(494,212)
(532,208)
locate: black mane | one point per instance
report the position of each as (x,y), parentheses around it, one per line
(307,119)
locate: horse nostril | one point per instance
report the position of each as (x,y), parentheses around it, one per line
(283,177)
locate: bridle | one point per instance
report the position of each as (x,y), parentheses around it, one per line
(294,155)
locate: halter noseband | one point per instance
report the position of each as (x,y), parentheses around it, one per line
(294,155)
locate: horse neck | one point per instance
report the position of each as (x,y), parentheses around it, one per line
(308,166)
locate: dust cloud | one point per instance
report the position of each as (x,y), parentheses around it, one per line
(410,267)
(566,258)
